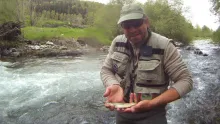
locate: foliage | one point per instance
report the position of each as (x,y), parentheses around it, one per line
(8,44)
(108,23)
(216,36)
(167,19)
(203,32)
(51,23)
(7,10)
(121,2)
(216,7)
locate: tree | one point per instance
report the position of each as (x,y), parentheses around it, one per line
(216,11)
(106,18)
(121,2)
(166,18)
(8,11)
(216,7)
(216,36)
(206,32)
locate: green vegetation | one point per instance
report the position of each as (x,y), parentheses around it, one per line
(216,36)
(46,19)
(38,33)
(9,44)
(216,11)
(167,19)
(7,10)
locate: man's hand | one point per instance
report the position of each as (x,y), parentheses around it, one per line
(113,93)
(144,105)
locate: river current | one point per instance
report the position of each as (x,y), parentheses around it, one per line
(69,90)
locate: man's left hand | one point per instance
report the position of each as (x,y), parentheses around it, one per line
(144,105)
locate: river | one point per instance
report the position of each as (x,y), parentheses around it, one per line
(69,90)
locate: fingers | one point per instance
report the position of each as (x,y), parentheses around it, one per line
(107,92)
(139,97)
(131,97)
(126,110)
(110,107)
(134,98)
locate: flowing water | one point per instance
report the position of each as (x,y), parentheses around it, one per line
(69,90)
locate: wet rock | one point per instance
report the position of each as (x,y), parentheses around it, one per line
(198,52)
(6,52)
(15,54)
(13,50)
(189,48)
(205,54)
(49,43)
(43,46)
(28,41)
(34,47)
(177,44)
(63,48)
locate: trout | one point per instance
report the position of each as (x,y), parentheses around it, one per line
(122,105)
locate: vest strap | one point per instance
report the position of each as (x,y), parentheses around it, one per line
(122,44)
(158,51)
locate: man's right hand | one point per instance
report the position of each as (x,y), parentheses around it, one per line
(113,93)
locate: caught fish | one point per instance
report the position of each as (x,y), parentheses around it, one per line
(122,105)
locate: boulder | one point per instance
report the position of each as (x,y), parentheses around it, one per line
(15,54)
(49,43)
(205,54)
(198,52)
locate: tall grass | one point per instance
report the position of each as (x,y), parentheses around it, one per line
(38,33)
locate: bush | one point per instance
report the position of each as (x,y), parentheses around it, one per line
(216,36)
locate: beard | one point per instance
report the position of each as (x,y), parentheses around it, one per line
(135,37)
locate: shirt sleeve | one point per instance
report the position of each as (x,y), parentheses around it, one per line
(177,70)
(107,76)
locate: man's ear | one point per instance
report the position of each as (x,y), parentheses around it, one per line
(146,21)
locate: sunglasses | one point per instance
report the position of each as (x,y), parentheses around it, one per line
(132,23)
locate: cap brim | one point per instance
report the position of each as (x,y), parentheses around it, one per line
(130,17)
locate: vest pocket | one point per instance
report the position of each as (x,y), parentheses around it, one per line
(119,62)
(149,73)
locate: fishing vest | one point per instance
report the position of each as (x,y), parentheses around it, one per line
(149,75)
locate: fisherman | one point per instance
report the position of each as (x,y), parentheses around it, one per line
(139,68)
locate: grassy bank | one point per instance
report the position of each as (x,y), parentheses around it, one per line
(37,33)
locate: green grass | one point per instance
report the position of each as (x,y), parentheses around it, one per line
(38,33)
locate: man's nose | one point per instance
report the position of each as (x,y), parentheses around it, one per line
(132,29)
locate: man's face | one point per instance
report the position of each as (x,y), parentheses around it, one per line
(135,30)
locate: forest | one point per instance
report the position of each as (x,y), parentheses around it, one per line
(48,19)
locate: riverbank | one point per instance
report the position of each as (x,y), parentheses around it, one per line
(52,42)
(52,48)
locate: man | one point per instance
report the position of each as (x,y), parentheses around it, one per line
(139,67)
